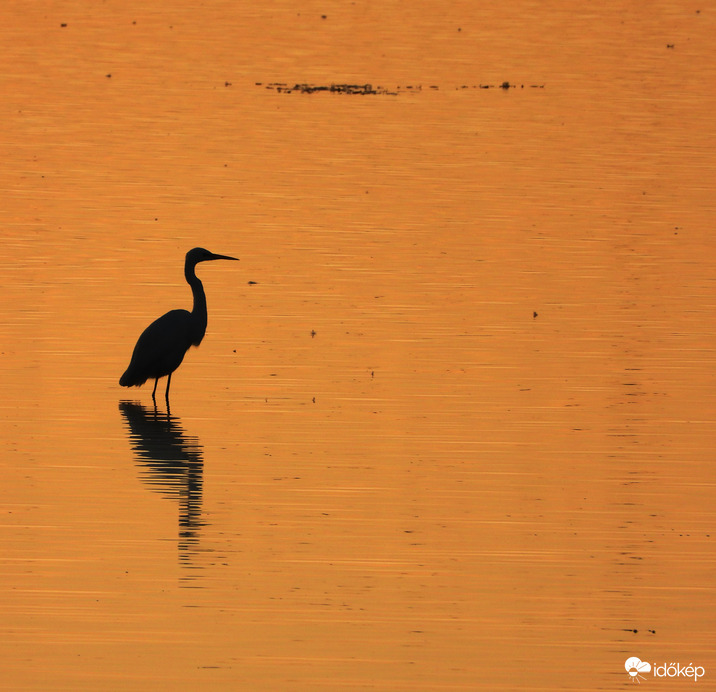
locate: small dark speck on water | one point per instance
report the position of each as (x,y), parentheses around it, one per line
(534,314)
(63,25)
(252,283)
(313,333)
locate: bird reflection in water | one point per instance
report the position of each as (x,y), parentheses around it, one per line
(172,464)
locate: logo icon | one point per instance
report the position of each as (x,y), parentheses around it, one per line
(635,668)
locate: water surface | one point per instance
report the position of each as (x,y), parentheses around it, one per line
(452,423)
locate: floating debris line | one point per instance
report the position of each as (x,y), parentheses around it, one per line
(370,90)
(360,89)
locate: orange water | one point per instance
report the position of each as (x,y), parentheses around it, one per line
(458,435)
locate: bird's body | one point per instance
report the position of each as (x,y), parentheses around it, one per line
(162,345)
(160,349)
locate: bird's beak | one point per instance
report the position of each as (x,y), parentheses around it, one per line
(215,257)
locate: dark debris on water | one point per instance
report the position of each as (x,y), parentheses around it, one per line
(369,89)
(360,89)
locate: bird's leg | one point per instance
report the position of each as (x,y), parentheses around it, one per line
(154,391)
(166,394)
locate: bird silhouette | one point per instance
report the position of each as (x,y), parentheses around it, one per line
(162,345)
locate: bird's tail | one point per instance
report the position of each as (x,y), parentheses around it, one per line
(129,379)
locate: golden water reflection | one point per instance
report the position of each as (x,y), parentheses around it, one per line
(458,430)
(171,463)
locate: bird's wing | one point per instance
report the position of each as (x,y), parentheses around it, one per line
(161,347)
(169,332)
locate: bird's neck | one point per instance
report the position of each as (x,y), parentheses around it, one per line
(198,313)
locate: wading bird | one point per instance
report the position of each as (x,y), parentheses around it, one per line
(162,345)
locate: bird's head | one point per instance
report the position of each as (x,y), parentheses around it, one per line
(199,254)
